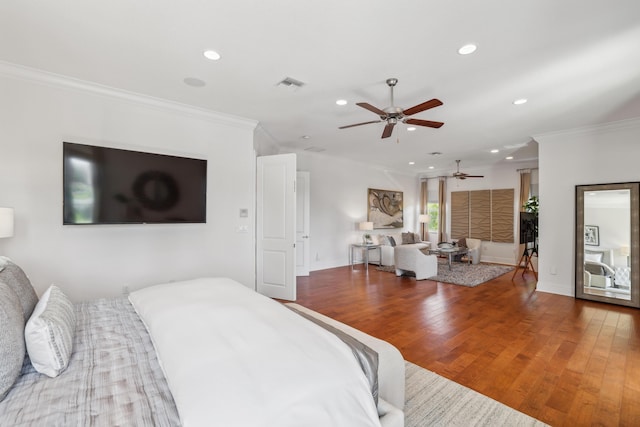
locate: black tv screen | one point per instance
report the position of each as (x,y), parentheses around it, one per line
(113,186)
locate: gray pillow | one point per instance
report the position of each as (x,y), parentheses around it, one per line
(12,349)
(49,332)
(12,275)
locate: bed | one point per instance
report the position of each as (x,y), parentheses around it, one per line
(207,351)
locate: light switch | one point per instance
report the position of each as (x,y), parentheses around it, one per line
(244,213)
(242,229)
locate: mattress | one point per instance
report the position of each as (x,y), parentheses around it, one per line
(113,377)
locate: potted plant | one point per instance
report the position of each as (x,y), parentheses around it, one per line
(532,205)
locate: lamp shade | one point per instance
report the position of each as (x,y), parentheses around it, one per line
(366,226)
(423,218)
(6,222)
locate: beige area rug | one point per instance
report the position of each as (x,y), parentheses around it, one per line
(432,400)
(461,273)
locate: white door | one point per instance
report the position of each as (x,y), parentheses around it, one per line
(303,257)
(276,226)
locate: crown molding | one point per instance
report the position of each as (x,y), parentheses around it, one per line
(34,75)
(631,123)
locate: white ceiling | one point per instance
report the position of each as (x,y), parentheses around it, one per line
(576,61)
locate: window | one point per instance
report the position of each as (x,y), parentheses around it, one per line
(433,209)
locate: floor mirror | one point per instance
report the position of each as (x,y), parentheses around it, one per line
(607,243)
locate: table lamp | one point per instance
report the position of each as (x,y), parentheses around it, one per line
(423,219)
(366,226)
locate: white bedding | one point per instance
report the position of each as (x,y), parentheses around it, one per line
(233,357)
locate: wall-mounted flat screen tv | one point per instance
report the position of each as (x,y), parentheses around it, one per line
(113,186)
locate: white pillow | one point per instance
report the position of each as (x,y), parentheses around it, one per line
(593,256)
(49,332)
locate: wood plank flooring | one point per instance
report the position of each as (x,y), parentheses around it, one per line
(564,361)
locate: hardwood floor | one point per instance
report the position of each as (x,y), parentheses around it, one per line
(564,361)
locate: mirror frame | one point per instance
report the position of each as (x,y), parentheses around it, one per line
(634,188)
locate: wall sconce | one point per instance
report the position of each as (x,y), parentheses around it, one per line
(6,222)
(366,226)
(423,219)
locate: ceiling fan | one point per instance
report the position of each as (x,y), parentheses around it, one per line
(393,114)
(461,175)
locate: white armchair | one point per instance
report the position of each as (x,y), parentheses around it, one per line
(411,258)
(473,246)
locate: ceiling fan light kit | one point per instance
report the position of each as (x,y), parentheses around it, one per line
(392,114)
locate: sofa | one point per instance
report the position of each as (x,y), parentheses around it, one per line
(409,258)
(387,248)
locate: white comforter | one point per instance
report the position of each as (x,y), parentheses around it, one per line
(233,357)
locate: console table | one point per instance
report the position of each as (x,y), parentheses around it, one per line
(365,253)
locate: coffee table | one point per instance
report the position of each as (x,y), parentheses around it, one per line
(450,253)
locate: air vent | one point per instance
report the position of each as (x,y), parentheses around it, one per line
(315,149)
(291,83)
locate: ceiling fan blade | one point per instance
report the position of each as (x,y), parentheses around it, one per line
(421,107)
(371,108)
(359,124)
(386,133)
(427,123)
(474,176)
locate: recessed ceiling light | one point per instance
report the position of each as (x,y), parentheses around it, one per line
(467,49)
(435,153)
(520,101)
(431,167)
(305,137)
(412,163)
(341,102)
(192,81)
(411,129)
(509,158)
(495,150)
(211,54)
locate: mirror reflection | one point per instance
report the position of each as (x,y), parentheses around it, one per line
(607,238)
(607,243)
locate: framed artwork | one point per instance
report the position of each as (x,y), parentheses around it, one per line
(591,235)
(384,208)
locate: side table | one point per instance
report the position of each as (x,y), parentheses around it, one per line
(365,253)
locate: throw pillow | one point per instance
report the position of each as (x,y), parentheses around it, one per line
(383,240)
(417,238)
(407,238)
(11,338)
(49,332)
(392,240)
(462,242)
(593,256)
(12,275)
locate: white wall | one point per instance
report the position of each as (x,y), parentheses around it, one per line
(39,111)
(339,202)
(596,155)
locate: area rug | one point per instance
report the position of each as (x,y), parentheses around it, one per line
(432,400)
(462,273)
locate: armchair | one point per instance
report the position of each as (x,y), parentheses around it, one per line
(411,258)
(473,248)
